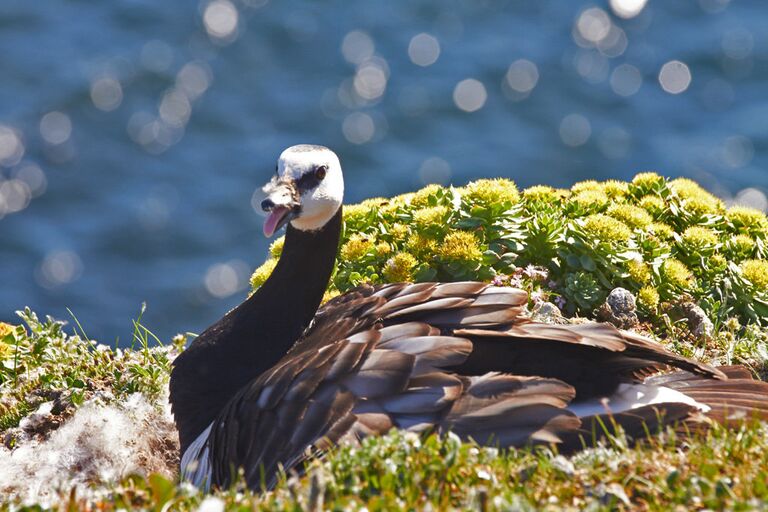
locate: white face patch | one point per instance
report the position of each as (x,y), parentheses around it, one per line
(319,203)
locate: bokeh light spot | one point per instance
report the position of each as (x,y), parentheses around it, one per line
(522,76)
(106,93)
(194,78)
(737,44)
(424,49)
(175,108)
(11,146)
(752,197)
(470,95)
(592,26)
(626,80)
(614,142)
(591,65)
(627,8)
(55,127)
(33,176)
(225,279)
(58,268)
(737,151)
(575,130)
(675,77)
(357,46)
(220,18)
(358,128)
(370,80)
(14,196)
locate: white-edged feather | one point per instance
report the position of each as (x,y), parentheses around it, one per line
(195,463)
(633,396)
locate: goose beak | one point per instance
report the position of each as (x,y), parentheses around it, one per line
(280,205)
(276,219)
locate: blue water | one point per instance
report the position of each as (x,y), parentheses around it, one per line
(114,206)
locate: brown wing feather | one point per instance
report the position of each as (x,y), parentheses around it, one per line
(428,356)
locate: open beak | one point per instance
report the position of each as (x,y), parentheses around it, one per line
(277,218)
(281,205)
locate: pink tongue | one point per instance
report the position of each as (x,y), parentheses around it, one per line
(273,220)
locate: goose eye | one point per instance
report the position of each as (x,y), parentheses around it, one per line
(320,172)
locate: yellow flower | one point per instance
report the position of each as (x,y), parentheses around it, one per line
(6,329)
(747,219)
(420,198)
(374,202)
(756,271)
(717,263)
(698,238)
(399,231)
(583,186)
(382,249)
(485,192)
(741,246)
(606,229)
(661,230)
(633,216)
(460,247)
(676,273)
(399,268)
(653,205)
(703,205)
(262,273)
(694,198)
(430,216)
(355,213)
(615,189)
(540,194)
(647,181)
(648,298)
(590,199)
(356,247)
(639,271)
(276,248)
(402,199)
(6,351)
(421,246)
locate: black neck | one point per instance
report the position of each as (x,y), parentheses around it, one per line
(251,338)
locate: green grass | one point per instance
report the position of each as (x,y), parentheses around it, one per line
(725,469)
(668,241)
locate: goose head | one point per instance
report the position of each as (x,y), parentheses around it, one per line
(307,189)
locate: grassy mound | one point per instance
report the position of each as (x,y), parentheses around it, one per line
(669,242)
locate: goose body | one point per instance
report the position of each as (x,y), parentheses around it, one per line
(280,378)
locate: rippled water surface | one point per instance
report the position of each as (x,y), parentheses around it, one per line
(133,133)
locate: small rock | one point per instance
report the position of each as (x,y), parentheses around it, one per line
(698,322)
(619,309)
(548,313)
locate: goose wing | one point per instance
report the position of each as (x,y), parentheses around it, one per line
(453,356)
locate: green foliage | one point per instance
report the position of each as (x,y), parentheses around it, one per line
(723,469)
(43,361)
(669,236)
